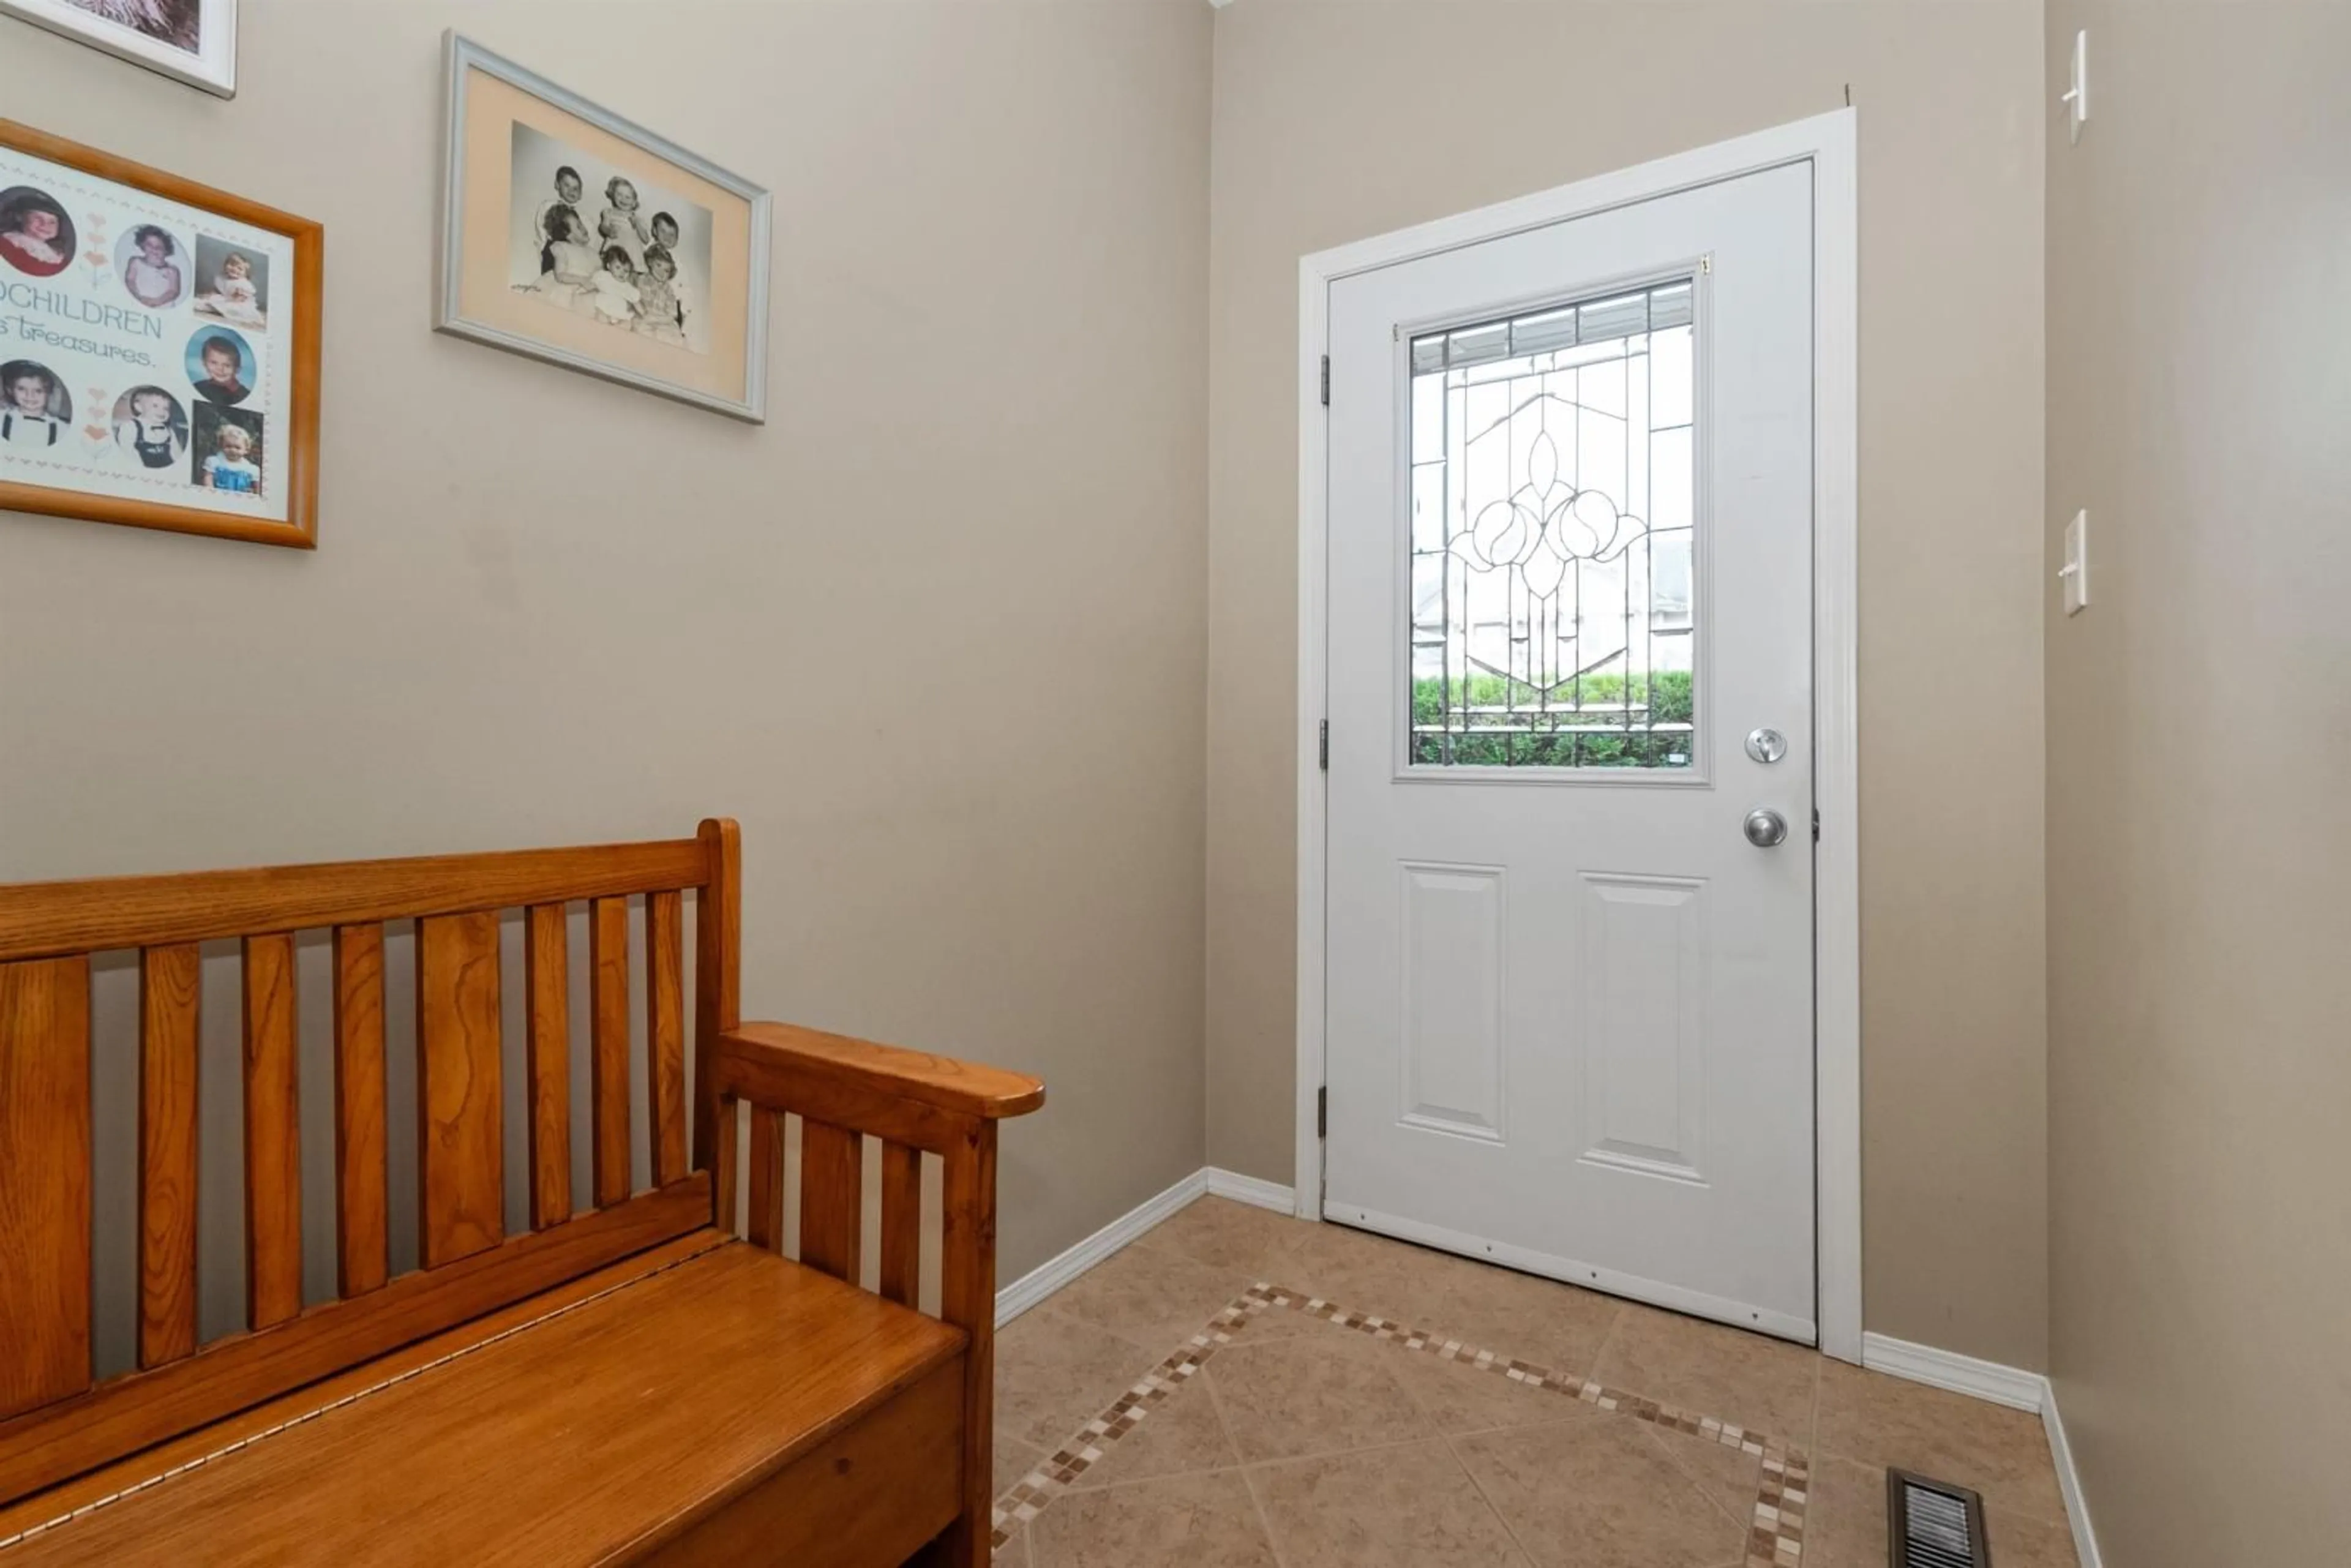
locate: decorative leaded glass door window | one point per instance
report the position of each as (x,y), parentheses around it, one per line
(1554,520)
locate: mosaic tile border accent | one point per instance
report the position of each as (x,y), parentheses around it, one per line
(1777,1537)
(1775,1534)
(1027,1497)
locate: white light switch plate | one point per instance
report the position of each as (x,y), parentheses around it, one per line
(2076,574)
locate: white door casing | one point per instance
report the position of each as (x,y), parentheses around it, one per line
(1584,1028)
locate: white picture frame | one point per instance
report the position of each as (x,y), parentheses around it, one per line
(489,288)
(211,65)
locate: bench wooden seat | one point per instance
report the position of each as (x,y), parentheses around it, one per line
(634,1382)
(602,1432)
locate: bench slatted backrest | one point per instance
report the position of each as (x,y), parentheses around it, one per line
(57,1419)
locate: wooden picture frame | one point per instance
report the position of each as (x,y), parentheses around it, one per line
(169,345)
(524,153)
(192,41)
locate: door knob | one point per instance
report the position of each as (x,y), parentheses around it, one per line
(1766,827)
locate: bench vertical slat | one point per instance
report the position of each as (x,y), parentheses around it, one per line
(831,1164)
(272,1136)
(717,970)
(765,1227)
(169,984)
(547,977)
(461,1156)
(665,1032)
(362,1185)
(55,1423)
(45,1164)
(723,1165)
(902,1223)
(608,1072)
(967,1300)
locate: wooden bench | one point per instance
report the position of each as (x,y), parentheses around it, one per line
(629,1381)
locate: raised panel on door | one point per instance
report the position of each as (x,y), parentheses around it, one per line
(1452,920)
(1643,980)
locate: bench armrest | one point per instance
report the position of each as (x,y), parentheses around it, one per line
(844,1091)
(843,1088)
(961,1088)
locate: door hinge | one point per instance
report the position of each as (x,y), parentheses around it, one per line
(1326,381)
(1326,746)
(1816,824)
(1322,1111)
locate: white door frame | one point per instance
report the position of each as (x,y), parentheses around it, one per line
(1827,143)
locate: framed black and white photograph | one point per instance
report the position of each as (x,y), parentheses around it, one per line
(587,238)
(194,41)
(573,235)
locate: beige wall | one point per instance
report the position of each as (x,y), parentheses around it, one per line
(934,634)
(1337,121)
(2199,735)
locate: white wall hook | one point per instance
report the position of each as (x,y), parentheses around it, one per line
(2077,94)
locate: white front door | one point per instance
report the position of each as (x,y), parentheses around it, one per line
(1569,1000)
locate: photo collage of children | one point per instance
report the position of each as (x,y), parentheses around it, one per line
(591,240)
(135,344)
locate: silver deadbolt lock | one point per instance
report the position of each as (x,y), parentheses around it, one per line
(1766,745)
(1766,828)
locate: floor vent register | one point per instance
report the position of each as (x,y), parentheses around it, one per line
(1933,1524)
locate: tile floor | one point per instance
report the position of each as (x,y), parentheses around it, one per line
(1241,1389)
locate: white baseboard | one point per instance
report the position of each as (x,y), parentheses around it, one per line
(2069,1484)
(1048,1277)
(2009,1385)
(1249,1189)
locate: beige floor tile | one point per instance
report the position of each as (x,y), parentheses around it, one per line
(1763,1385)
(1845,1524)
(1845,1515)
(1223,1234)
(2017,1541)
(1014,1459)
(1150,1296)
(1291,1398)
(1340,1428)
(1055,1373)
(1599,1494)
(1519,1316)
(1177,1521)
(1405,1506)
(1179,1435)
(1284,1322)
(1555,1326)
(1728,1477)
(1881,1420)
(1460,1398)
(1367,1273)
